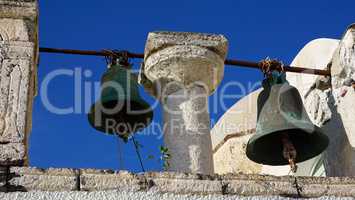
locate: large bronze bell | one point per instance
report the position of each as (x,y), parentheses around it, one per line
(120,110)
(282,117)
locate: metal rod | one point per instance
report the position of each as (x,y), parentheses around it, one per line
(240,63)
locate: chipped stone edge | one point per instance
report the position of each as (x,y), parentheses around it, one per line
(17,9)
(35,179)
(159,40)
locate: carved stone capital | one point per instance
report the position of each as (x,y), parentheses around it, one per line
(185,58)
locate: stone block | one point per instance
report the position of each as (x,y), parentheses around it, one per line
(35,179)
(183,183)
(308,187)
(101,180)
(18,9)
(12,154)
(15,30)
(15,82)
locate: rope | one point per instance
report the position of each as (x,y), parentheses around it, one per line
(268,65)
(138,154)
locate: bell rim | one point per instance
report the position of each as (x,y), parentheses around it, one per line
(316,132)
(145,105)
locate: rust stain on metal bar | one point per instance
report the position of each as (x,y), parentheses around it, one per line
(240,63)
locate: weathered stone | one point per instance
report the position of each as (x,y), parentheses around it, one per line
(141,195)
(19,9)
(102,180)
(250,185)
(185,58)
(187,131)
(12,154)
(3,178)
(18,60)
(184,183)
(159,40)
(15,81)
(316,54)
(35,179)
(16,30)
(183,69)
(185,186)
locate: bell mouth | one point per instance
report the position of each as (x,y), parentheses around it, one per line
(267,149)
(129,117)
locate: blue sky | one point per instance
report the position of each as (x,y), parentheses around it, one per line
(255,30)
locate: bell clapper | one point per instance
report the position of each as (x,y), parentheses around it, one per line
(289,152)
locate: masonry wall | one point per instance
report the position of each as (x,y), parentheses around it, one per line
(34,183)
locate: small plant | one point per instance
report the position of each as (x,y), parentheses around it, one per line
(165,157)
(124,137)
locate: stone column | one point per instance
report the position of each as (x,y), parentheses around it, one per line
(185,68)
(18,58)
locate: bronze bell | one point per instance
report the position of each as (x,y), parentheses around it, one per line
(120,110)
(283,122)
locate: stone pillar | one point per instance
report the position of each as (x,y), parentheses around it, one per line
(18,58)
(185,68)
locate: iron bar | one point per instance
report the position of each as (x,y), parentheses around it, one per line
(240,63)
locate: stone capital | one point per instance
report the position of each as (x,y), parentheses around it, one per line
(185,58)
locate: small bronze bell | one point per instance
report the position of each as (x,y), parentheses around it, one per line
(120,110)
(284,128)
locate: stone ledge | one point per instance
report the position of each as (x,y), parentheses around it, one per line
(101,180)
(33,179)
